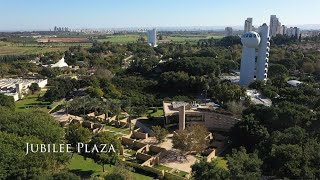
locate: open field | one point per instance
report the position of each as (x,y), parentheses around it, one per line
(66,40)
(26,50)
(173,38)
(88,167)
(121,38)
(191,38)
(34,102)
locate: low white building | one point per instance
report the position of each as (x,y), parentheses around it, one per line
(18,87)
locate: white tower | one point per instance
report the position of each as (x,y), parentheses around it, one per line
(250,41)
(255,56)
(152,37)
(263,54)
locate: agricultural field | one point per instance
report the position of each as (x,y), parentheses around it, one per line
(121,39)
(19,49)
(190,38)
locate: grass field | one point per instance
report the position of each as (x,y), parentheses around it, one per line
(191,38)
(174,38)
(7,48)
(33,102)
(158,113)
(88,168)
(13,49)
(121,39)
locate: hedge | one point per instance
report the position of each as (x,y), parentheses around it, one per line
(148,171)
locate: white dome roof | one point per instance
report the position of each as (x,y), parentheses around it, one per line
(251,39)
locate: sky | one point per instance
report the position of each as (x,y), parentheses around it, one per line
(45,14)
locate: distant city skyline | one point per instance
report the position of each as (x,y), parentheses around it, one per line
(76,14)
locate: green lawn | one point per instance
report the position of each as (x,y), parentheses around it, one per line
(161,167)
(32,102)
(87,168)
(158,113)
(117,131)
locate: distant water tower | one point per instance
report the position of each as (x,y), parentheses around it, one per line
(255,56)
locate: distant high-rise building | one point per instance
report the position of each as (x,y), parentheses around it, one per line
(284,30)
(248,25)
(274,25)
(255,56)
(293,32)
(228,31)
(152,37)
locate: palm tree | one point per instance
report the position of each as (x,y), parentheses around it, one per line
(131,111)
(94,104)
(105,108)
(116,110)
(67,105)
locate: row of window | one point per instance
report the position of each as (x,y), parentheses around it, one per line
(249,35)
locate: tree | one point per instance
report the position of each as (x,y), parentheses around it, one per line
(277,71)
(193,138)
(120,173)
(160,133)
(116,110)
(7,102)
(248,133)
(209,171)
(244,166)
(95,92)
(4,69)
(34,87)
(76,133)
(106,158)
(308,68)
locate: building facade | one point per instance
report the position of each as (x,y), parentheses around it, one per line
(152,37)
(274,25)
(182,115)
(248,25)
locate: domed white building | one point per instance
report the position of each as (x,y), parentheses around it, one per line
(255,54)
(251,39)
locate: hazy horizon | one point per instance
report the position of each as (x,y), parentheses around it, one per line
(21,15)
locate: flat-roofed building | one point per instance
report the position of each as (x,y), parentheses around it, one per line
(17,87)
(184,114)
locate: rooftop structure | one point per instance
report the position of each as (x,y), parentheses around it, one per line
(209,114)
(258,98)
(294,83)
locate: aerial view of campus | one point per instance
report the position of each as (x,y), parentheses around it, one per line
(161,89)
